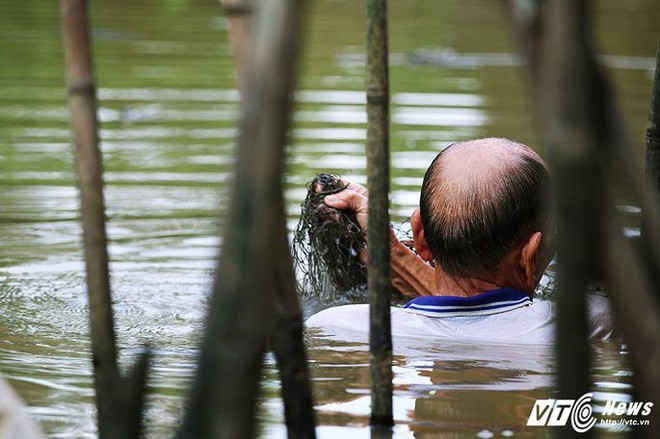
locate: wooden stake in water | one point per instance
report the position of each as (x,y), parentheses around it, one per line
(238,14)
(378,239)
(82,101)
(640,323)
(653,134)
(583,111)
(129,398)
(223,400)
(288,345)
(568,135)
(286,340)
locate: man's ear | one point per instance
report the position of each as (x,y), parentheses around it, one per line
(421,246)
(529,260)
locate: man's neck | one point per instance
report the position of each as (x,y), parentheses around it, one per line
(447,285)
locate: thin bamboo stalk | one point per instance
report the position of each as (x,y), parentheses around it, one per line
(653,133)
(633,293)
(622,159)
(89,171)
(378,180)
(238,14)
(567,134)
(616,152)
(223,399)
(618,156)
(528,24)
(288,346)
(532,22)
(652,141)
(631,275)
(628,275)
(287,339)
(128,404)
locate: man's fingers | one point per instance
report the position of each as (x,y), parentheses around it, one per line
(356,187)
(347,199)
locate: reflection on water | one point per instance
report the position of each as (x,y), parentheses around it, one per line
(448,389)
(168,109)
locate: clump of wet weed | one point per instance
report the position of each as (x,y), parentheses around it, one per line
(326,247)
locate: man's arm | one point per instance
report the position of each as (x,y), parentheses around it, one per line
(410,275)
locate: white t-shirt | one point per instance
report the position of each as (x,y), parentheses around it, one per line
(505,316)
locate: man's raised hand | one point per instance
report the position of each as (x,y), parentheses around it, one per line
(353,198)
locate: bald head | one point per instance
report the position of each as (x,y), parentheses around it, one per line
(481,199)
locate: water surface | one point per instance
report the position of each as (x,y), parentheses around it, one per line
(168,108)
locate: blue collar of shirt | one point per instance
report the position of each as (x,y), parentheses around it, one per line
(490,302)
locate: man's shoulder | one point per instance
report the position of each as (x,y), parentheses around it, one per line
(529,324)
(354,319)
(351,322)
(338,315)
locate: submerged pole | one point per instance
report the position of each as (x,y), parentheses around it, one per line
(223,399)
(583,105)
(640,324)
(652,165)
(129,400)
(568,136)
(378,238)
(238,13)
(288,344)
(286,340)
(89,173)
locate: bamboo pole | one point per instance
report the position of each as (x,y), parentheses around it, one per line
(568,136)
(652,167)
(288,346)
(629,275)
(531,23)
(223,399)
(633,275)
(238,14)
(287,335)
(616,152)
(378,179)
(652,154)
(88,165)
(128,404)
(629,282)
(528,24)
(621,159)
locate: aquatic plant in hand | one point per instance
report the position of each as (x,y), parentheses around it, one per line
(326,247)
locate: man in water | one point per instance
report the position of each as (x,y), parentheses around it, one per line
(484,223)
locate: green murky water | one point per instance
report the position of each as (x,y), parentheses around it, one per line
(168,107)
